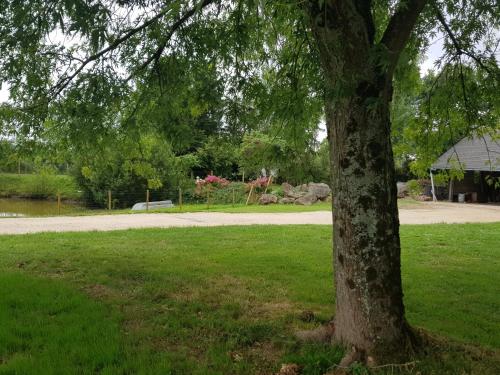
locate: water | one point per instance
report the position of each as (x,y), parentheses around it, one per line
(13,207)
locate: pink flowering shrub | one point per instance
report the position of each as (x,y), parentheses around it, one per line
(210,179)
(210,182)
(259,183)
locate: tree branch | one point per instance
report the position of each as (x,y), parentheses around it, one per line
(364,8)
(159,51)
(456,43)
(399,29)
(64,81)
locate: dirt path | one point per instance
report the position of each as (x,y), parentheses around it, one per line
(427,213)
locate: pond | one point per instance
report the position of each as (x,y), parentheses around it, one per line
(12,207)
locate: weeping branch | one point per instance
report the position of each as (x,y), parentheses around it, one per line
(177,24)
(65,81)
(456,43)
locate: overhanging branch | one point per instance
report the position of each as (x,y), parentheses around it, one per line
(161,48)
(456,43)
(64,81)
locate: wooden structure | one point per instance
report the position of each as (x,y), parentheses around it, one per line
(479,159)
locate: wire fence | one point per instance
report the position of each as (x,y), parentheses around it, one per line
(173,199)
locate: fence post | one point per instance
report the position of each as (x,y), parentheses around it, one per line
(109,200)
(249,195)
(208,199)
(180,198)
(233,197)
(147,199)
(268,183)
(58,203)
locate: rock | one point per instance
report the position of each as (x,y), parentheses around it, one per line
(303,188)
(268,199)
(290,192)
(423,198)
(307,200)
(287,200)
(286,188)
(289,369)
(320,190)
(307,316)
(402,189)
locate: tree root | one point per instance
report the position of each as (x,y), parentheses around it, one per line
(321,334)
(352,356)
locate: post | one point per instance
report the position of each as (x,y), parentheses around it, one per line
(147,199)
(450,192)
(180,198)
(243,177)
(58,203)
(18,166)
(208,198)
(249,195)
(434,199)
(268,183)
(109,200)
(233,197)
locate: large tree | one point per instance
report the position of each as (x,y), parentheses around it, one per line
(279,58)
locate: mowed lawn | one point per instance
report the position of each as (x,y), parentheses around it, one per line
(227,300)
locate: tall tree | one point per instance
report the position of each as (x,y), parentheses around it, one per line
(344,52)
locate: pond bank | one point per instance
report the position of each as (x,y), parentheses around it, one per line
(12,207)
(38,186)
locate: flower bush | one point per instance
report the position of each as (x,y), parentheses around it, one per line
(259,183)
(210,182)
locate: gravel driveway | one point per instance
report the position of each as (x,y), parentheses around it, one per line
(426,213)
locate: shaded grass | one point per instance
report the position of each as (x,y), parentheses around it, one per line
(227,300)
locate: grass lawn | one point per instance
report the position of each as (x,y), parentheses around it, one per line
(406,203)
(226,300)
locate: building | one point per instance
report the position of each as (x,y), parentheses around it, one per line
(479,159)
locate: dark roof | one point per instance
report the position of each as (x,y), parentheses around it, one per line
(480,153)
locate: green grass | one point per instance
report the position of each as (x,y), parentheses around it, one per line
(38,186)
(237,208)
(227,300)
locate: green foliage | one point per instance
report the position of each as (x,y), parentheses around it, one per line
(456,102)
(219,156)
(44,184)
(414,188)
(293,163)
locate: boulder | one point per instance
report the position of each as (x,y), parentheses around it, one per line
(304,188)
(268,199)
(290,192)
(320,190)
(307,199)
(402,189)
(286,188)
(287,200)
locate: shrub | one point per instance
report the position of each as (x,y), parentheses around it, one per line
(414,188)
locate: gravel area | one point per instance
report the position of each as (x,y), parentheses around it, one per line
(426,213)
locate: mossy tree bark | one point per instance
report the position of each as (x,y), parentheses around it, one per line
(358,79)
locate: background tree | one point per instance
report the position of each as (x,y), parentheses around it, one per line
(281,61)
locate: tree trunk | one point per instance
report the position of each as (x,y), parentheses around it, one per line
(358,89)
(369,299)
